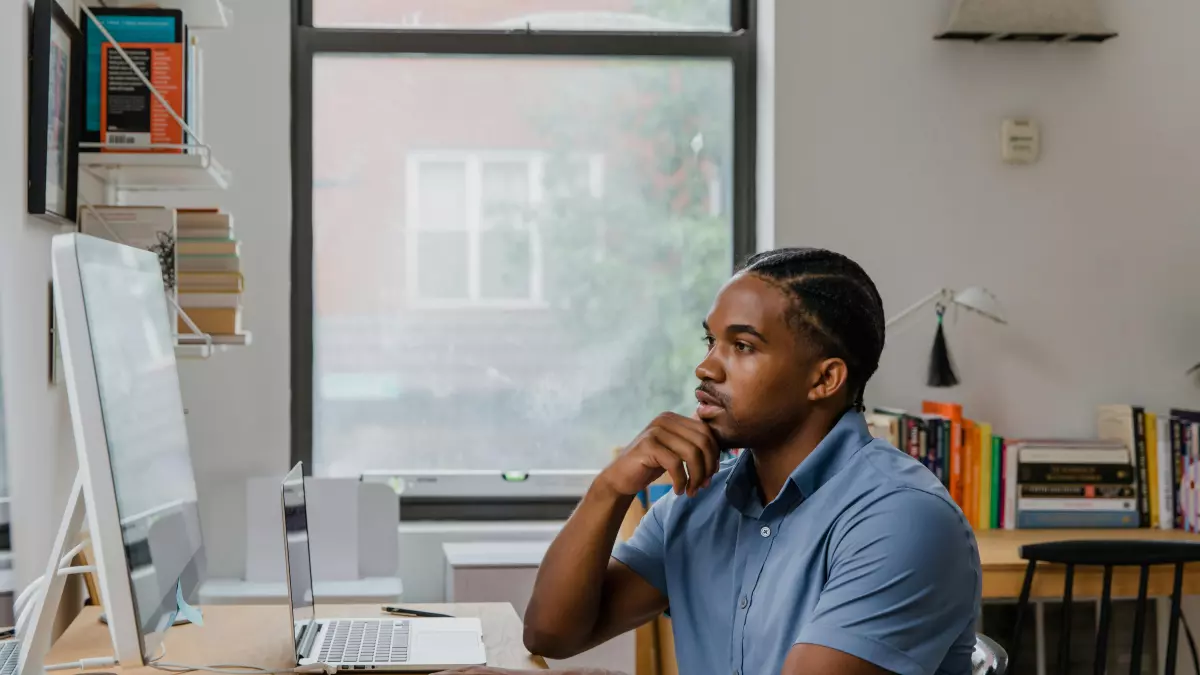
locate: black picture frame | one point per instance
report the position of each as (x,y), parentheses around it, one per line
(54,123)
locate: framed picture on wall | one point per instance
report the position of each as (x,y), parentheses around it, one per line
(56,62)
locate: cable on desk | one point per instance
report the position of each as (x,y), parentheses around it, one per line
(233,668)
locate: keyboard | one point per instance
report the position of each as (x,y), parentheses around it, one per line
(10,652)
(357,641)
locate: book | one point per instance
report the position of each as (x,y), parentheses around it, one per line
(147,227)
(210,300)
(1166,475)
(1127,424)
(133,25)
(214,320)
(1012,452)
(131,117)
(998,445)
(1080,490)
(1152,467)
(211,282)
(1077,504)
(207,247)
(986,449)
(1032,520)
(970,467)
(954,413)
(205,224)
(1181,424)
(1074,472)
(208,263)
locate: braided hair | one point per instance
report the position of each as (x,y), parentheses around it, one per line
(834,303)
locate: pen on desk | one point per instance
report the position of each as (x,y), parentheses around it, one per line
(415,613)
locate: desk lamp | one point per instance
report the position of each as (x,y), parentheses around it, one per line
(977,299)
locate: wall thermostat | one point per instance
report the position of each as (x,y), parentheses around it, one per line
(1020,141)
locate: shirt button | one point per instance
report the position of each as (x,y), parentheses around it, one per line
(744,602)
(766,531)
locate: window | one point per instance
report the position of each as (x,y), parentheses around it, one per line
(505,241)
(471,236)
(662,15)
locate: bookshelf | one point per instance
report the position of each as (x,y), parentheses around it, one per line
(193,348)
(166,169)
(155,172)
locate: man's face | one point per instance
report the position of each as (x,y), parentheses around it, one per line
(755,380)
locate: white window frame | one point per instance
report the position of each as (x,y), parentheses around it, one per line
(474,162)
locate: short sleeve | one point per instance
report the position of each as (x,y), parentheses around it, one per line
(644,552)
(903,585)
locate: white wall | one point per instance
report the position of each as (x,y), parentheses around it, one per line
(238,401)
(888,150)
(40,449)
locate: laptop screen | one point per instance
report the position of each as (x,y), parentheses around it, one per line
(296,554)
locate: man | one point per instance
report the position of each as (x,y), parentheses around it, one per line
(818,551)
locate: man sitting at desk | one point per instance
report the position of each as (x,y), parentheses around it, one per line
(819,551)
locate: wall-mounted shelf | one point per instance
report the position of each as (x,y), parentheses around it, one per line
(194,347)
(156,172)
(196,13)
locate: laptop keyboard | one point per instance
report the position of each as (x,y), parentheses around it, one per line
(363,642)
(10,652)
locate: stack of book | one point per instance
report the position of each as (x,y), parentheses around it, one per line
(1070,484)
(208,259)
(1165,450)
(1141,470)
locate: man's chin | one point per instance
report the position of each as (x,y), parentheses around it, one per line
(726,439)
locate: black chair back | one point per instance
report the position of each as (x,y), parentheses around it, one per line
(1109,555)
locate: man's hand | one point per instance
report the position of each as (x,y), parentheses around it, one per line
(683,447)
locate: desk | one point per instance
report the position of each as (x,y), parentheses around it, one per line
(259,635)
(1004,570)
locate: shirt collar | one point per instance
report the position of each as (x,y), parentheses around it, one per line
(846,438)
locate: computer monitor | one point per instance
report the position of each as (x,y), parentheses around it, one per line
(117,342)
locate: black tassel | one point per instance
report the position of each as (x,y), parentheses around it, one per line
(941,369)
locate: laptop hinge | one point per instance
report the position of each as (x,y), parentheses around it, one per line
(308,638)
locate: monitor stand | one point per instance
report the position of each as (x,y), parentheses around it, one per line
(36,635)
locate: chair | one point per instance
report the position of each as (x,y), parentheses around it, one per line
(989,657)
(1109,554)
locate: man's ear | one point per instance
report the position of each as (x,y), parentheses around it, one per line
(829,379)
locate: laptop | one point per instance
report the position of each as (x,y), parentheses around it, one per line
(379,643)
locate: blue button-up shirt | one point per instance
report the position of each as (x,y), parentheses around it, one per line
(863,551)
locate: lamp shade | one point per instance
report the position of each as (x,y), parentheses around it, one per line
(980,300)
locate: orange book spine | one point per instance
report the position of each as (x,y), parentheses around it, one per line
(953,412)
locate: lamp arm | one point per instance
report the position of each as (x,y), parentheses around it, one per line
(940,293)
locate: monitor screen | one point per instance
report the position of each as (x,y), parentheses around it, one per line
(296,553)
(130,333)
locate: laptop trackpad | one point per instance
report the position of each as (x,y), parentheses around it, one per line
(448,646)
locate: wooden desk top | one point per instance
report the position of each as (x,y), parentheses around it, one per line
(258,635)
(1004,570)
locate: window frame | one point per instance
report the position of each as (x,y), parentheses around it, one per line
(738,46)
(473,170)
